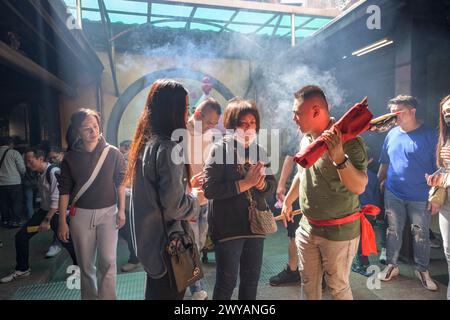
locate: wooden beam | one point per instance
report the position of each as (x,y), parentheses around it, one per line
(73,46)
(202,20)
(198,20)
(29,25)
(275,29)
(106,22)
(301,26)
(14,59)
(254,6)
(266,23)
(229,21)
(188,23)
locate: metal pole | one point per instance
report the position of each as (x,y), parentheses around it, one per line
(79,17)
(293,30)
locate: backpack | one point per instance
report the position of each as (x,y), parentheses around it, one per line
(47,173)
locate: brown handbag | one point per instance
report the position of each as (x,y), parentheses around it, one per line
(437,195)
(180,251)
(261,221)
(182,254)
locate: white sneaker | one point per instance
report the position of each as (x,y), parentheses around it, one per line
(388,273)
(382,257)
(426,280)
(200,295)
(53,251)
(15,275)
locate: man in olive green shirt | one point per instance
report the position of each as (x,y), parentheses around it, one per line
(328,190)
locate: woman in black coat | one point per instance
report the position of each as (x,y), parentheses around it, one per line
(236,165)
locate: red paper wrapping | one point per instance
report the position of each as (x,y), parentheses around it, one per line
(354,122)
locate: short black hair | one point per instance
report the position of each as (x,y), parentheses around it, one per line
(37,152)
(406,100)
(237,108)
(310,91)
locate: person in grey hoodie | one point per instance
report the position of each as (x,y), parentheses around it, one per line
(12,168)
(159,184)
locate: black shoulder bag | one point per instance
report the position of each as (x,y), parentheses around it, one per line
(180,251)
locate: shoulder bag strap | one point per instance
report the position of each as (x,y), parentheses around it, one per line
(94,174)
(3,158)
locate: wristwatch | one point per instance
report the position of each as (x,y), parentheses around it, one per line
(343,164)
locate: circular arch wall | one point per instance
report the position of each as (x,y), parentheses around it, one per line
(144,82)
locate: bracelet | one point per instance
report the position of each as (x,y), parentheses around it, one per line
(343,164)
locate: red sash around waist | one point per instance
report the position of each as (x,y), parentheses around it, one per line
(368,242)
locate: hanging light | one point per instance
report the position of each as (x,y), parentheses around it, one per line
(372,47)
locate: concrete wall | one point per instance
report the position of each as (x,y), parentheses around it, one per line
(86,98)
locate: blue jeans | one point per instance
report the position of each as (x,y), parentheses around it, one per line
(200,229)
(243,256)
(397,210)
(444,225)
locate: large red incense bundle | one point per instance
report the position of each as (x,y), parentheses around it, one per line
(354,122)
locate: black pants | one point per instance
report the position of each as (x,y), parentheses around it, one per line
(11,203)
(23,240)
(125,233)
(163,289)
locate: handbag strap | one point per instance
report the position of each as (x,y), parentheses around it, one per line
(248,193)
(94,174)
(3,158)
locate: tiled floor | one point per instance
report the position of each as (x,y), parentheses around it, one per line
(131,286)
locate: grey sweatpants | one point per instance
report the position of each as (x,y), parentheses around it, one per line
(94,236)
(444,224)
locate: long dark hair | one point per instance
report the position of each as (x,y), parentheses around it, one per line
(76,120)
(444,132)
(164,112)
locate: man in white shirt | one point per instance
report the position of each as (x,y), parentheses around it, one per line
(205,118)
(46,218)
